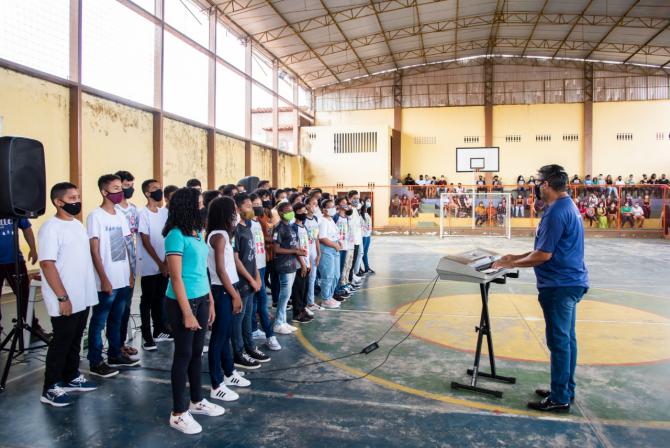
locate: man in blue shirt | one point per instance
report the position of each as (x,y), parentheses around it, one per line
(7,264)
(562,281)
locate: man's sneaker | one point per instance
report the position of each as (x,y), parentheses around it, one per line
(281,329)
(291,327)
(314,307)
(341,297)
(204,407)
(370,272)
(236,380)
(45,335)
(547,405)
(149,345)
(272,343)
(122,361)
(545,393)
(185,423)
(330,304)
(258,355)
(162,337)
(56,396)
(258,334)
(309,312)
(357,279)
(205,349)
(223,393)
(245,361)
(303,318)
(103,370)
(79,384)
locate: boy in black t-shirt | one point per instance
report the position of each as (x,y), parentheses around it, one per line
(299,290)
(247,356)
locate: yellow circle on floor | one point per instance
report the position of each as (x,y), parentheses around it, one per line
(606,333)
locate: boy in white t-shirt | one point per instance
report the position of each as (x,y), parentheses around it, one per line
(68,289)
(110,240)
(129,211)
(151,265)
(312,226)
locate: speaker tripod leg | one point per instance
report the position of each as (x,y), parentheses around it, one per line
(15,335)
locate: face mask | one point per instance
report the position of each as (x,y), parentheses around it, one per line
(248,215)
(289,216)
(156,195)
(301,216)
(72,209)
(349,212)
(368,204)
(258,211)
(128,192)
(115,198)
(267,204)
(283,201)
(332,211)
(355,202)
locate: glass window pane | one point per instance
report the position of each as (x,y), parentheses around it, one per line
(185,80)
(186,17)
(118,50)
(304,99)
(36,34)
(229,46)
(261,69)
(149,5)
(230,107)
(286,83)
(261,115)
(286,121)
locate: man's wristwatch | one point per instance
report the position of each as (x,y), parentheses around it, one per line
(64,298)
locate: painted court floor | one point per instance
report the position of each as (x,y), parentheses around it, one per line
(623,373)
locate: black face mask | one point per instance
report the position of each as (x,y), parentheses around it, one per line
(128,192)
(156,195)
(301,216)
(72,209)
(258,211)
(349,212)
(267,204)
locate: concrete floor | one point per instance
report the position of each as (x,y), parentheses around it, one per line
(623,374)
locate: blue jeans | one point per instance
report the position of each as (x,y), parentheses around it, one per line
(559,306)
(366,246)
(242,326)
(357,261)
(329,268)
(123,332)
(285,288)
(261,307)
(311,280)
(109,310)
(222,331)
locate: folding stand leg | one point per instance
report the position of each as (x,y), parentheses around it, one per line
(484,328)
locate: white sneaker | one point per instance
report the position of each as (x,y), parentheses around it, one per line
(258,334)
(205,349)
(206,408)
(314,307)
(281,329)
(236,380)
(309,312)
(330,304)
(357,279)
(291,327)
(185,423)
(272,343)
(223,393)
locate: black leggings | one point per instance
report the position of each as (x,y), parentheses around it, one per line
(187,352)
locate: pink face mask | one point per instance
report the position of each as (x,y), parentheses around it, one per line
(116,198)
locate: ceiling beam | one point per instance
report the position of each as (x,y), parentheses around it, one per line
(656,34)
(418,21)
(351,47)
(495,26)
(532,32)
(586,8)
(381,29)
(302,39)
(630,8)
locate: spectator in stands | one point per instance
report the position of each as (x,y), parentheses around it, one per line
(441,185)
(582,209)
(519,206)
(591,215)
(612,210)
(611,190)
(601,214)
(575,180)
(467,205)
(627,215)
(404,206)
(481,185)
(480,214)
(415,204)
(491,213)
(663,180)
(501,211)
(421,181)
(521,185)
(395,206)
(409,180)
(638,215)
(646,206)
(587,180)
(497,184)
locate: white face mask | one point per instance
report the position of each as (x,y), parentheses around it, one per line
(332,211)
(368,204)
(283,200)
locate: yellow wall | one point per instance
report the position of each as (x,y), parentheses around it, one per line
(644,154)
(184,153)
(528,155)
(285,167)
(38,109)
(229,160)
(261,162)
(114,137)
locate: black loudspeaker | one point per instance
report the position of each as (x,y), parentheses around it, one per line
(22,178)
(250,183)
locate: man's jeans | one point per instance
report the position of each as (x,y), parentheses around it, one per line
(261,307)
(311,280)
(109,310)
(241,336)
(559,306)
(329,268)
(285,288)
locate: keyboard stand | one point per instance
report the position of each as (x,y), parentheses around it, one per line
(484,329)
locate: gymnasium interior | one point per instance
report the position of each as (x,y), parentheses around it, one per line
(430,109)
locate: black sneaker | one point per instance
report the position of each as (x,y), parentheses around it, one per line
(149,345)
(341,297)
(547,405)
(122,361)
(303,318)
(545,393)
(103,370)
(258,355)
(245,361)
(370,272)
